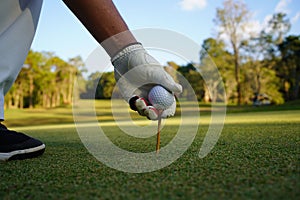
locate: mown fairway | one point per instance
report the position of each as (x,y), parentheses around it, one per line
(256,157)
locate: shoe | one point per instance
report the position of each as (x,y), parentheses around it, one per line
(18,146)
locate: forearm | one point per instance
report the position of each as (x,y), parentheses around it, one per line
(104,22)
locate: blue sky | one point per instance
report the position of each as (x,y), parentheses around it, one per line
(60,32)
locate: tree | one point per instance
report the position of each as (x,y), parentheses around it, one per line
(285,51)
(100,85)
(45,80)
(76,73)
(171,69)
(32,65)
(290,66)
(279,26)
(258,74)
(232,20)
(215,52)
(259,78)
(106,84)
(192,77)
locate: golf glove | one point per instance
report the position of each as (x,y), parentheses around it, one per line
(136,72)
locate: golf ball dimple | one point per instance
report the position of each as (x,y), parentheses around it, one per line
(160,98)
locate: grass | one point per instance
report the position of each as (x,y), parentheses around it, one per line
(256,157)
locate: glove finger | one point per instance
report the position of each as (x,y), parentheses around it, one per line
(168,83)
(151,113)
(141,106)
(126,88)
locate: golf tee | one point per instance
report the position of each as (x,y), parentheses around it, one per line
(158,132)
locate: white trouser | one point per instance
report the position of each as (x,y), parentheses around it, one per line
(18,23)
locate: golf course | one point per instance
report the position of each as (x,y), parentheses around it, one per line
(256,157)
(149,100)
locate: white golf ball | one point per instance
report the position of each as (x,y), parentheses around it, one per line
(160,98)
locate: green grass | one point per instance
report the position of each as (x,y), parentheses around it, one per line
(256,157)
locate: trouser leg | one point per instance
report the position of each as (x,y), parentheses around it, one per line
(18,23)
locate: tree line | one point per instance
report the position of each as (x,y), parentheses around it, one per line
(45,81)
(251,66)
(264,65)
(265,62)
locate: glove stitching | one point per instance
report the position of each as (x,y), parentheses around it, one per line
(126,50)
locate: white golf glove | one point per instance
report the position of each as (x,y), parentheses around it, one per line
(136,72)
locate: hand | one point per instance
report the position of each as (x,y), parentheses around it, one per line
(136,72)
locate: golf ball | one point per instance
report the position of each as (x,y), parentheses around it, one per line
(160,98)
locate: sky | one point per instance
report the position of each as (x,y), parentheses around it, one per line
(60,32)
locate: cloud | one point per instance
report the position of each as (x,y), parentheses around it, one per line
(282,6)
(295,18)
(192,4)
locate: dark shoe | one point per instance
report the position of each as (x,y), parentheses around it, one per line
(18,146)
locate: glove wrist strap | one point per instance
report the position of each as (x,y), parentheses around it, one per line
(127,50)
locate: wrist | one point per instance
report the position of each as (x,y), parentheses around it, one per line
(116,43)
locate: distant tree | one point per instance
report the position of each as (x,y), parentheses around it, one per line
(232,20)
(279,26)
(100,85)
(172,68)
(215,53)
(192,77)
(91,86)
(75,69)
(44,81)
(106,85)
(31,68)
(258,74)
(283,54)
(289,67)
(259,78)
(78,63)
(61,70)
